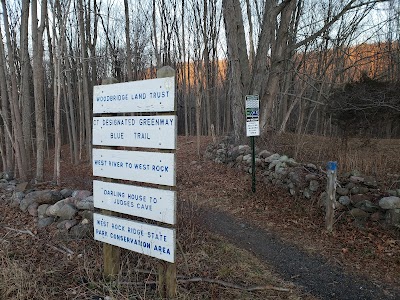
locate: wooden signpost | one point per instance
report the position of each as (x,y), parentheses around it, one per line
(331,193)
(157,167)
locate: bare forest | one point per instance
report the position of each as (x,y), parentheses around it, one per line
(326,68)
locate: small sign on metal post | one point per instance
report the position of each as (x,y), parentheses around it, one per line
(252,130)
(252,115)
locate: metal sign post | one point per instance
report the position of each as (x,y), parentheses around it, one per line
(252,130)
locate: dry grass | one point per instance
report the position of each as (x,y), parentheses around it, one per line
(31,268)
(376,157)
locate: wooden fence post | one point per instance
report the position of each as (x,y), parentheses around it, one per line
(331,195)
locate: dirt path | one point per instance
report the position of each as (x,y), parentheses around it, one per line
(269,224)
(314,274)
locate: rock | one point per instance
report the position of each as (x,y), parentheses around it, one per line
(363,190)
(17,198)
(311,166)
(292,163)
(377,216)
(356,179)
(264,154)
(81,194)
(355,190)
(273,164)
(367,206)
(310,177)
(272,158)
(358,213)
(52,210)
(392,193)
(349,185)
(66,224)
(85,204)
(66,193)
(314,185)
(370,182)
(239,159)
(67,212)
(42,210)
(297,179)
(244,149)
(283,158)
(307,193)
(344,200)
(8,175)
(81,231)
(393,216)
(247,158)
(342,191)
(234,152)
(390,202)
(44,222)
(86,214)
(359,198)
(40,197)
(33,209)
(355,173)
(279,165)
(21,187)
(3,185)
(398,192)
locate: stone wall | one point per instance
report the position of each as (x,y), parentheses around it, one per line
(70,210)
(361,196)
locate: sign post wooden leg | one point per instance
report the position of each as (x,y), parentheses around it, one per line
(111,254)
(167,272)
(170,280)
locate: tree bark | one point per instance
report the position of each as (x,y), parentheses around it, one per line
(25,82)
(38,84)
(86,100)
(128,43)
(20,153)
(5,111)
(238,64)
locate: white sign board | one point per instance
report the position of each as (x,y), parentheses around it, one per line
(143,238)
(149,203)
(252,115)
(151,167)
(153,95)
(144,131)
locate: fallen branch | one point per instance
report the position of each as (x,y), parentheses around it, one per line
(57,249)
(235,286)
(27,231)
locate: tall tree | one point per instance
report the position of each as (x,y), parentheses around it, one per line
(5,111)
(25,83)
(38,82)
(20,153)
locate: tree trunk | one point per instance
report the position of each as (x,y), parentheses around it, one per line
(5,111)
(238,64)
(38,84)
(20,153)
(86,100)
(25,82)
(128,43)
